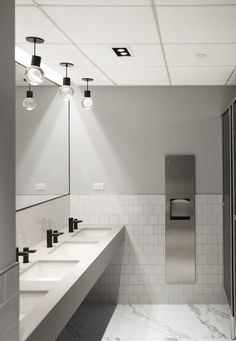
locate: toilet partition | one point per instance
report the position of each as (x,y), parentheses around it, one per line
(180,219)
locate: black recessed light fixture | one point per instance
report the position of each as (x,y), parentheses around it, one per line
(121,51)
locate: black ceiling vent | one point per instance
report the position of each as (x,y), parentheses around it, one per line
(121,51)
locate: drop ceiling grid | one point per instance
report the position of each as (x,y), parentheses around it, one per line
(200,28)
(178,48)
(57,15)
(67,40)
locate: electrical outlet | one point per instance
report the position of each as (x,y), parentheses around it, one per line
(40,186)
(98,186)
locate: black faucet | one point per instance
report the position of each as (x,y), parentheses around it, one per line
(76,222)
(24,254)
(55,236)
(73,224)
(52,236)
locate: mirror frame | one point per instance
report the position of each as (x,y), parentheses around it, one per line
(69,150)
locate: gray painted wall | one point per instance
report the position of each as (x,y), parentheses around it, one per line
(42,142)
(123,140)
(7,134)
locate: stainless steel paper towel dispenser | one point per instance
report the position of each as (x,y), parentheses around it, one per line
(180,218)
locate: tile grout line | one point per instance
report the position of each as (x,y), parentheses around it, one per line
(156,19)
(72,42)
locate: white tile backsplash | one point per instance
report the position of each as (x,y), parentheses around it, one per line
(9,304)
(137,273)
(32,222)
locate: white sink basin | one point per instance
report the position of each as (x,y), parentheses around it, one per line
(47,270)
(72,249)
(28,300)
(94,233)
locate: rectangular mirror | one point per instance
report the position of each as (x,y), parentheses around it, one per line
(42,144)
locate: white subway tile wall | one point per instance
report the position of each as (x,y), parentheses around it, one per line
(9,305)
(32,222)
(137,273)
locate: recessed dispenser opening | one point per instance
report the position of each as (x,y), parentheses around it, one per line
(180,209)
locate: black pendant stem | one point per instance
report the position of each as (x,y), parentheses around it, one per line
(66,79)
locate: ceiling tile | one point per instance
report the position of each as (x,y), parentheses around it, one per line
(194,2)
(77,73)
(197,82)
(31,22)
(95,2)
(214,24)
(142,82)
(185,54)
(141,55)
(96,82)
(23,2)
(54,54)
(201,75)
(136,74)
(106,25)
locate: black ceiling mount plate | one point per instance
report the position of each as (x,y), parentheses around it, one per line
(66,64)
(88,79)
(36,40)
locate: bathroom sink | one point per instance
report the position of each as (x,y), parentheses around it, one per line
(28,300)
(72,249)
(47,270)
(94,233)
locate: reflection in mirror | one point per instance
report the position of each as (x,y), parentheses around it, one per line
(42,144)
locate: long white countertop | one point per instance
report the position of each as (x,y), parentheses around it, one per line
(61,297)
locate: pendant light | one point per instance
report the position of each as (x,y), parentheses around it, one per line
(29,103)
(87,101)
(66,91)
(34,74)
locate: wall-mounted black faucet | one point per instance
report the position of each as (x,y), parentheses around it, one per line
(55,235)
(24,254)
(76,222)
(73,224)
(52,237)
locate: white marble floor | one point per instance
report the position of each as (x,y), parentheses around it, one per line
(169,322)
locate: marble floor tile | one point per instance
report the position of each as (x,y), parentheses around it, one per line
(169,323)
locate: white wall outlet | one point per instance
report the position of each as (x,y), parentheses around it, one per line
(40,186)
(98,186)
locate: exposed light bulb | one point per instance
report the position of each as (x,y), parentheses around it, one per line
(34,75)
(66,92)
(87,103)
(29,103)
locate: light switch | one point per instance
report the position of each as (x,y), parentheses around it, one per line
(40,186)
(98,186)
